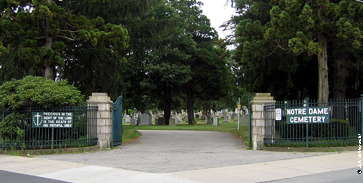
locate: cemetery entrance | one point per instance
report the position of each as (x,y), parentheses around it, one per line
(117,122)
(311,124)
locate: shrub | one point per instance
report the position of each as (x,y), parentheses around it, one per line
(37,91)
(9,127)
(32,91)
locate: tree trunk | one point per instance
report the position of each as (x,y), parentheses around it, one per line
(323,92)
(167,103)
(340,76)
(206,108)
(49,72)
(49,69)
(190,103)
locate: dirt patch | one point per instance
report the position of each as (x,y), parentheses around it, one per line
(51,151)
(132,140)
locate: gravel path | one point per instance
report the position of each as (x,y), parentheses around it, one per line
(160,151)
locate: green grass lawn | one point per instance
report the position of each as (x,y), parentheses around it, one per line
(130,132)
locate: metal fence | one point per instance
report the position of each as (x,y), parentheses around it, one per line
(285,126)
(40,128)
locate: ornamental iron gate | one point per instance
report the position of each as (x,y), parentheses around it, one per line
(308,123)
(117,122)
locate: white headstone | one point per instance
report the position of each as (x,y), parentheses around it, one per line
(215,121)
(127,119)
(176,119)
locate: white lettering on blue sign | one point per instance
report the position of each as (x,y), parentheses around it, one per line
(52,119)
(307,115)
(308,119)
(296,111)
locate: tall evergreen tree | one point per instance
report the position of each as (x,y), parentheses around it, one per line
(301,27)
(38,32)
(117,72)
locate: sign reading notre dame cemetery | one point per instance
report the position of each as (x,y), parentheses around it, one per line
(52,119)
(307,115)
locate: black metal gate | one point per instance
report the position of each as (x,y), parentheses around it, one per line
(117,122)
(82,132)
(346,122)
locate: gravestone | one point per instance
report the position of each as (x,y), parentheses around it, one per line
(233,115)
(145,119)
(209,118)
(215,121)
(197,116)
(172,122)
(176,120)
(127,119)
(221,114)
(229,117)
(245,119)
(161,120)
(133,121)
(226,118)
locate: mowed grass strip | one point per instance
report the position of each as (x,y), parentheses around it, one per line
(131,132)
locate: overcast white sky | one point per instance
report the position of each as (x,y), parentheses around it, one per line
(218,12)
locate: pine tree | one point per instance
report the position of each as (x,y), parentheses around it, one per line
(38,31)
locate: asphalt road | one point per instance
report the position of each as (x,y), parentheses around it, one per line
(10,177)
(348,175)
(173,151)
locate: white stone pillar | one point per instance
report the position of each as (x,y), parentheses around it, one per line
(104,118)
(258,118)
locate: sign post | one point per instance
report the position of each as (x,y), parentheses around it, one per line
(239,109)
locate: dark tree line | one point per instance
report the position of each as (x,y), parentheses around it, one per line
(299,49)
(158,54)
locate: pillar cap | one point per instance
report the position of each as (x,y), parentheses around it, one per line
(99,98)
(263,97)
(99,94)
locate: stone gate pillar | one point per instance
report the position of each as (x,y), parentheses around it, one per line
(258,118)
(104,118)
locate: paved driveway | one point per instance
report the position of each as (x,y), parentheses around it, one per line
(160,151)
